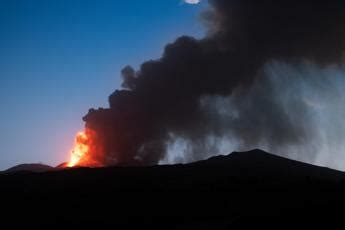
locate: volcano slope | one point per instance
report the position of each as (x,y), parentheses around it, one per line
(239,190)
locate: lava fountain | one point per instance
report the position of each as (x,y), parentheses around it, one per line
(84,151)
(80,149)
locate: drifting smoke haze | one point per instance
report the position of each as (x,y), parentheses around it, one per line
(268,75)
(192,1)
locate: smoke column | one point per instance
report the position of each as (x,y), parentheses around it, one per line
(258,79)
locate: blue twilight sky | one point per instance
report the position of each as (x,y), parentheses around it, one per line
(58,58)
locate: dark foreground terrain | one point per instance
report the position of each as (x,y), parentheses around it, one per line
(250,189)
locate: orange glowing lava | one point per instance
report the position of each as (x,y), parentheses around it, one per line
(87,150)
(80,149)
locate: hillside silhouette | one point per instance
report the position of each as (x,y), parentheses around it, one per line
(239,190)
(29,168)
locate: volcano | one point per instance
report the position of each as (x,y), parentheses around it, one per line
(241,189)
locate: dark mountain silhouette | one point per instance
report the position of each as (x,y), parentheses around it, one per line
(257,163)
(29,168)
(249,189)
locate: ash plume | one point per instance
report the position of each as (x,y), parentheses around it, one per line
(228,88)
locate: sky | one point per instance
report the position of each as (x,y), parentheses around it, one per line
(60,58)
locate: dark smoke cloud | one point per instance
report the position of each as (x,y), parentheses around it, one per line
(202,91)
